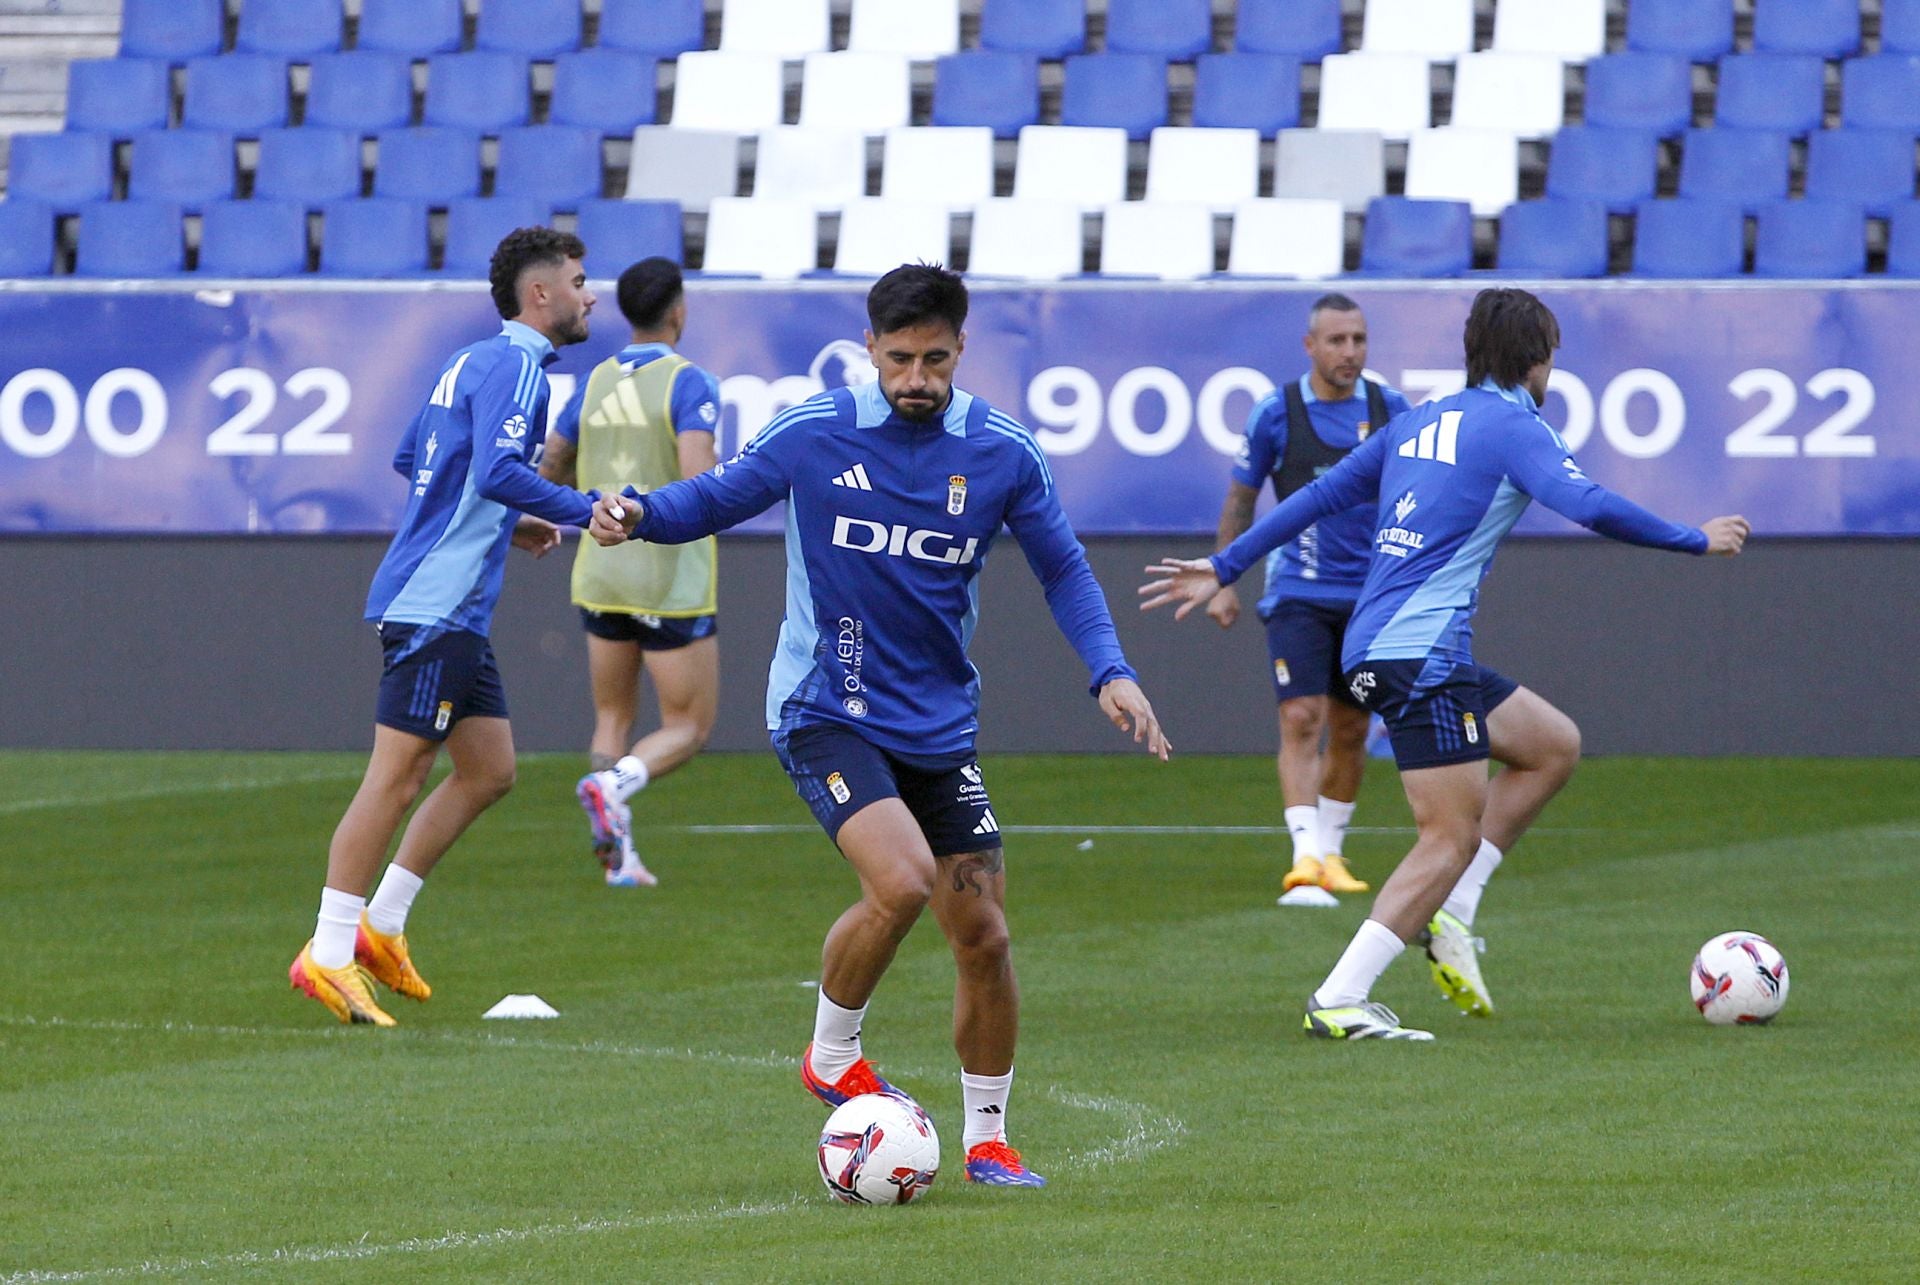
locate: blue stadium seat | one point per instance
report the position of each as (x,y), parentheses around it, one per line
(416,28)
(64,170)
(289,28)
(487,91)
(1745,166)
(376,238)
(664,27)
(1828,28)
(311,165)
(1900,26)
(611,90)
(131,239)
(244,93)
(1307,29)
(475,227)
(999,90)
(1881,92)
(1409,238)
(1689,238)
(430,163)
(253,239)
(175,30)
(1872,168)
(1044,28)
(1555,237)
(1247,91)
(1903,240)
(1115,91)
(1169,28)
(26,238)
(118,96)
(559,165)
(1640,91)
(186,167)
(1614,166)
(619,233)
(1810,239)
(1786,92)
(536,28)
(364,91)
(1698,30)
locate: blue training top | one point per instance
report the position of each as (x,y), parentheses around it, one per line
(694,405)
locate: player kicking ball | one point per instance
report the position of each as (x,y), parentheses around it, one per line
(895,491)
(1451,478)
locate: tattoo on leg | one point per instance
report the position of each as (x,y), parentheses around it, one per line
(601,762)
(968,867)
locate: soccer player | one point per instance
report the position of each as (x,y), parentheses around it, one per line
(645,417)
(1294,436)
(472,491)
(895,491)
(1452,478)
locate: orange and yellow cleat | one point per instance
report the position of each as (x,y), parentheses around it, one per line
(347,992)
(386,958)
(1335,877)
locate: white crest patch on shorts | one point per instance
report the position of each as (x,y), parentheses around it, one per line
(837,787)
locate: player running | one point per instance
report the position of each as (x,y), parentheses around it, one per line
(1451,478)
(472,492)
(895,492)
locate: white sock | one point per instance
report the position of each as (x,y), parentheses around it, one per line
(836,1038)
(628,777)
(1360,966)
(1334,818)
(985,1098)
(393,899)
(1463,903)
(338,925)
(1303,823)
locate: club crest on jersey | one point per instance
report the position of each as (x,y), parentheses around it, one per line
(837,787)
(1473,728)
(956,495)
(443,717)
(1281,674)
(856,706)
(1363,429)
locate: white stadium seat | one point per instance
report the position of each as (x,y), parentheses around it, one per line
(1218,168)
(1288,238)
(1523,94)
(878,235)
(1437,30)
(916,28)
(743,93)
(1031,240)
(1076,164)
(787,28)
(868,92)
(952,166)
(1385,92)
(826,168)
(1478,166)
(1571,30)
(762,236)
(1172,240)
(1345,165)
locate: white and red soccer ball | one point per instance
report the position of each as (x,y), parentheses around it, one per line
(879,1149)
(1739,978)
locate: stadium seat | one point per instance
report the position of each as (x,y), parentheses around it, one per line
(619,233)
(558,165)
(1411,238)
(118,96)
(1810,239)
(475,226)
(1348,166)
(1430,29)
(373,238)
(1217,168)
(1115,91)
(611,90)
(784,28)
(64,170)
(241,93)
(1872,168)
(1828,28)
(1881,92)
(1744,166)
(187,167)
(867,93)
(878,235)
(1043,28)
(915,28)
(289,28)
(1384,92)
(1640,91)
(430,163)
(1027,240)
(26,238)
(1523,94)
(1688,238)
(174,30)
(253,239)
(1180,29)
(1478,166)
(1697,30)
(417,28)
(486,91)
(129,239)
(533,28)
(950,167)
(1570,30)
(820,168)
(1288,238)
(761,237)
(1170,240)
(1247,91)
(1900,26)
(311,165)
(690,166)
(1903,240)
(362,91)
(1076,165)
(1307,29)
(660,27)
(741,93)
(1555,237)
(998,90)
(1784,92)
(1614,166)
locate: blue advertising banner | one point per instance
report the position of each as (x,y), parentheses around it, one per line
(277,409)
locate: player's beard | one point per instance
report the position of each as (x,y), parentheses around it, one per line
(575,331)
(920,412)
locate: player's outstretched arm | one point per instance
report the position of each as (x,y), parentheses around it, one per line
(1726,536)
(536,535)
(1186,581)
(1122,701)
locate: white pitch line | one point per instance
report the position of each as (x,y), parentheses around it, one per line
(12,806)
(1201,830)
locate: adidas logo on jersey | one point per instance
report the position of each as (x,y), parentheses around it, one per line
(1435,442)
(855,477)
(987,824)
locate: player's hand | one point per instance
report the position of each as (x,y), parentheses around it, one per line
(1224,607)
(1726,536)
(1188,581)
(606,527)
(1123,702)
(536,535)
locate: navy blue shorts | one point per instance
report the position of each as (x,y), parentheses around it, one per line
(427,684)
(653,633)
(1436,713)
(1304,641)
(836,772)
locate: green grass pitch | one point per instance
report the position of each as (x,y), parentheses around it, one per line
(169,1109)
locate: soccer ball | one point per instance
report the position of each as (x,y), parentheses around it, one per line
(1739,978)
(879,1149)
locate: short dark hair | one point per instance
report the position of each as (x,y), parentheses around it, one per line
(647,292)
(1333,302)
(521,249)
(916,293)
(1509,332)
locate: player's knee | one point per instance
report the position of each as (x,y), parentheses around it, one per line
(1564,748)
(493,783)
(901,896)
(1301,719)
(984,949)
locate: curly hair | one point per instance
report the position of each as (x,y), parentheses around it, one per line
(1509,332)
(525,248)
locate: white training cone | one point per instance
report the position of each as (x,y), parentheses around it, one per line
(1308,895)
(522,1006)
